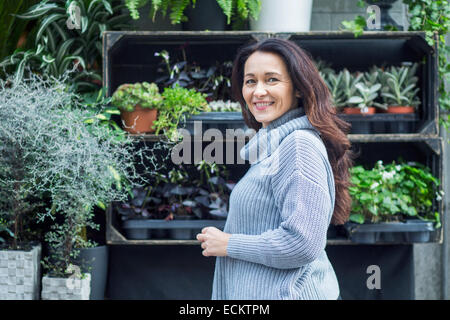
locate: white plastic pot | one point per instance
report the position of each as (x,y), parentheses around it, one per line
(283,16)
(20,274)
(66,288)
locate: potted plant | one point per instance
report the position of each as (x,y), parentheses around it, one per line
(178,104)
(335,83)
(393,198)
(292,16)
(364,100)
(72,163)
(400,89)
(163,209)
(139,104)
(21,186)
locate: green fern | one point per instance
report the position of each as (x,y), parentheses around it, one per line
(134,5)
(227,8)
(254,7)
(241,7)
(176,14)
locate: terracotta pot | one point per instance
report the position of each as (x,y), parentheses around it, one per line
(400,109)
(140,120)
(348,110)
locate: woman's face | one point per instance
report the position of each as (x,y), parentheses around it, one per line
(268,89)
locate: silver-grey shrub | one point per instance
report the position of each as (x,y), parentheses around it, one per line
(53,148)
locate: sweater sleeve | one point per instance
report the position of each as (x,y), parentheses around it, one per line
(301,193)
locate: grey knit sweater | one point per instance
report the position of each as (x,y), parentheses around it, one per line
(278,218)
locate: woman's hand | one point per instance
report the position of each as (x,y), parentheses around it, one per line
(214,242)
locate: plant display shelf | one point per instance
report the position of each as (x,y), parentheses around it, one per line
(128,57)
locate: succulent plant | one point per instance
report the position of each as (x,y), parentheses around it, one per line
(224,106)
(335,83)
(400,86)
(349,82)
(366,96)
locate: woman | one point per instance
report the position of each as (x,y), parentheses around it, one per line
(273,243)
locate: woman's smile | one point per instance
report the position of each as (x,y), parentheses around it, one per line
(262,105)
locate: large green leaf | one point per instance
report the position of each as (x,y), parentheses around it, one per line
(38,10)
(64,49)
(46,23)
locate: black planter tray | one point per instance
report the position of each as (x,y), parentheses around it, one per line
(390,232)
(144,229)
(215,116)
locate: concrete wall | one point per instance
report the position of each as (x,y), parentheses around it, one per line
(328,14)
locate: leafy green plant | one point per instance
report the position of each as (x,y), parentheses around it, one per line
(178,103)
(13,31)
(69,159)
(231,8)
(394,192)
(400,87)
(145,94)
(68,33)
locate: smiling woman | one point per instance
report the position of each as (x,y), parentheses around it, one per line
(273,243)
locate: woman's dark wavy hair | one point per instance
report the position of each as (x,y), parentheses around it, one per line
(317,103)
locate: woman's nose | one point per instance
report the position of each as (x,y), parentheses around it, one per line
(260,90)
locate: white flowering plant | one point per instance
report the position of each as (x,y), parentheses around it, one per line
(394,192)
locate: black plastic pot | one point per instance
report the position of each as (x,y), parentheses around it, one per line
(181,233)
(95,261)
(137,234)
(181,228)
(390,232)
(216,120)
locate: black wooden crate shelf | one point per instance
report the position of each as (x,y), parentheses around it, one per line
(129,57)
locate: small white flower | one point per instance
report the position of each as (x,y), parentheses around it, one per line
(374,185)
(388,175)
(365,110)
(398,167)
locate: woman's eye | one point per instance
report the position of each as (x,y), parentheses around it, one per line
(250,81)
(272,80)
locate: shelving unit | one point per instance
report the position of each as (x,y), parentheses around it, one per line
(129,57)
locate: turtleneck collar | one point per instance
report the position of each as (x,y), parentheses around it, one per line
(267,139)
(287,116)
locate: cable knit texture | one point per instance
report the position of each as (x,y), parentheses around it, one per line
(278,218)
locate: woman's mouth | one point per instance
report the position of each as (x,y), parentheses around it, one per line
(262,105)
